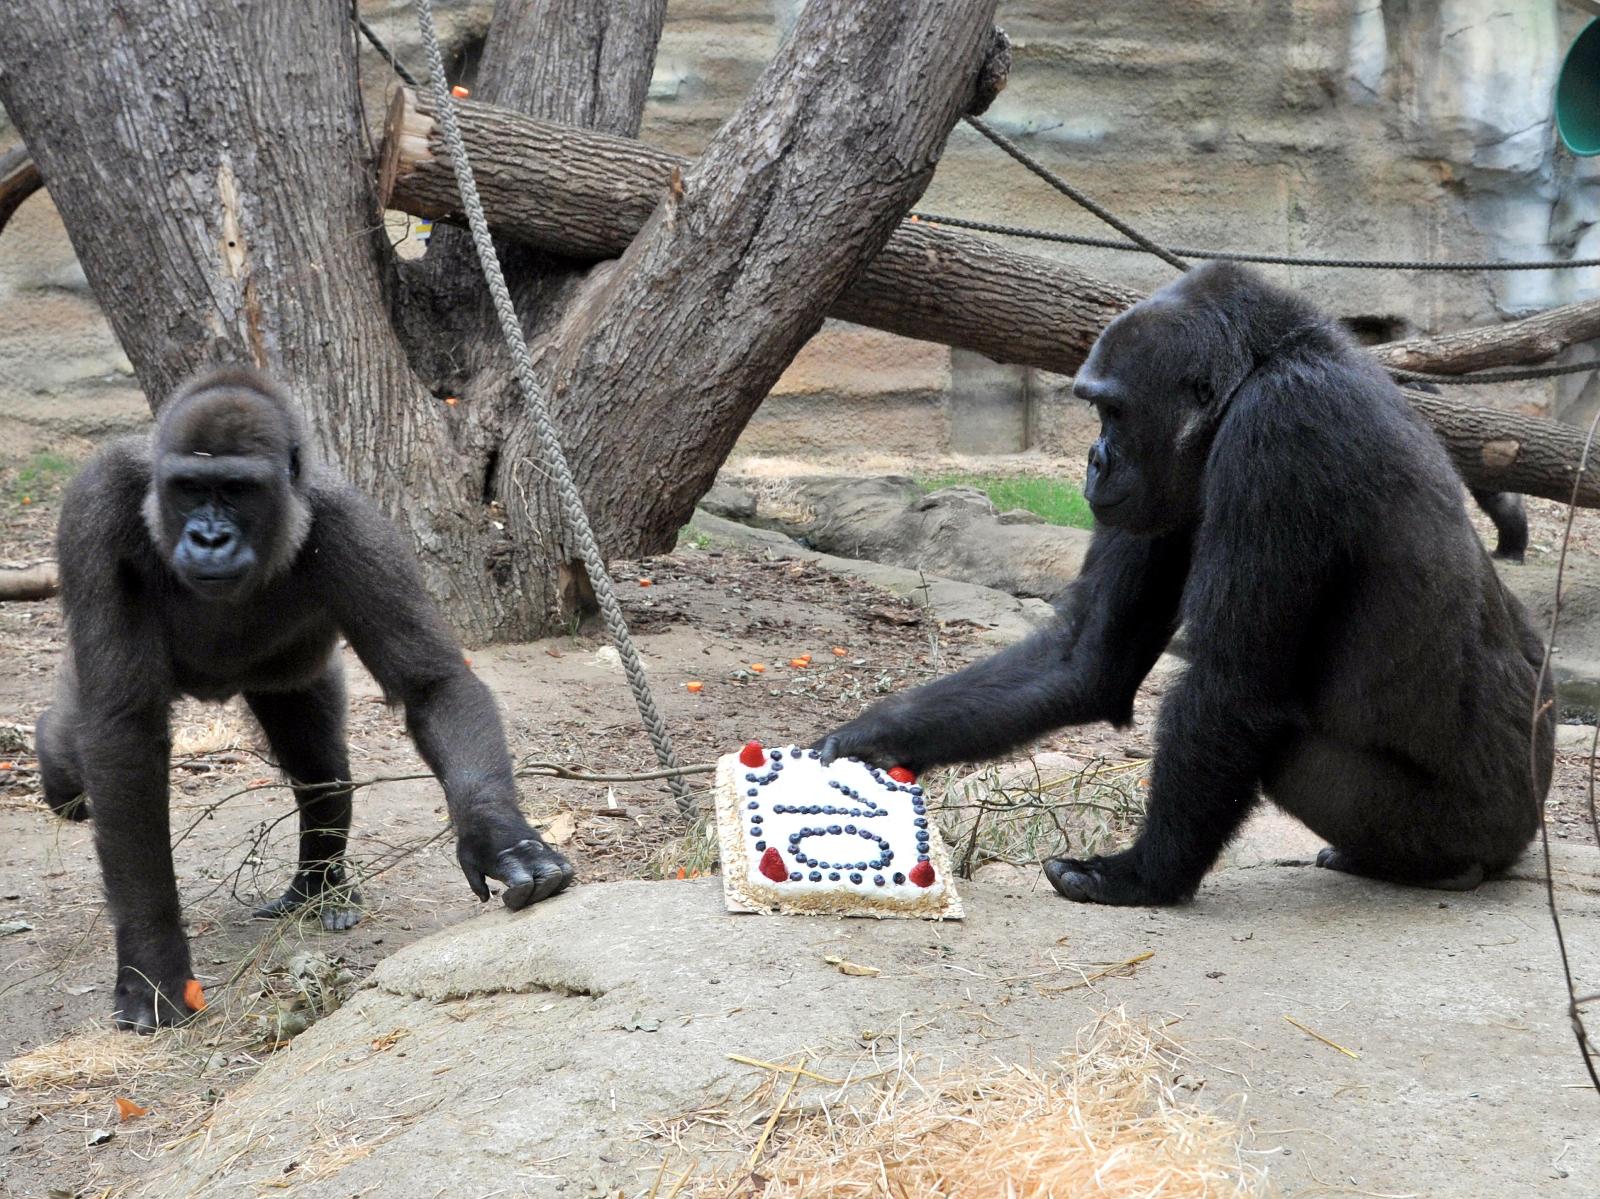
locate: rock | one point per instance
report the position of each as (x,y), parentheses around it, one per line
(729,502)
(1000,618)
(1271,837)
(524,1034)
(1020,516)
(953,532)
(1574,738)
(1025,774)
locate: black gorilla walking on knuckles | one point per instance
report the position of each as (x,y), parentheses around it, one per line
(1354,656)
(216,560)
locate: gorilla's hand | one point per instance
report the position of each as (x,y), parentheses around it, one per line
(152,978)
(883,736)
(1112,879)
(529,868)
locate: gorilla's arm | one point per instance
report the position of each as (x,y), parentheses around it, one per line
(376,595)
(1279,523)
(1112,624)
(120,693)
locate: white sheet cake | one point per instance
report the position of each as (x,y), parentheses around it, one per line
(845,839)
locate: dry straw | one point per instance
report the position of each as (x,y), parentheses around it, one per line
(101,1055)
(1107,1122)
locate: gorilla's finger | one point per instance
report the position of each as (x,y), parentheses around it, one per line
(829,748)
(475,880)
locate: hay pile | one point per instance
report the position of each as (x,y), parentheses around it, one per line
(94,1056)
(1107,1122)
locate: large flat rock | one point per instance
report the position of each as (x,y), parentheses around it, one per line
(523,1054)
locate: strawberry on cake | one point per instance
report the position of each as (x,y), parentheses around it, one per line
(845,839)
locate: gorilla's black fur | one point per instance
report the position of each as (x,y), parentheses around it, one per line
(1354,656)
(216,559)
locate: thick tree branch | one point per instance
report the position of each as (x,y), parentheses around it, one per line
(582,194)
(669,352)
(1535,338)
(19,179)
(588,196)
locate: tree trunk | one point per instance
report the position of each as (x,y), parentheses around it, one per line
(209,163)
(587,196)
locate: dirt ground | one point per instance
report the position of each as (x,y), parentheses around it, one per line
(707,616)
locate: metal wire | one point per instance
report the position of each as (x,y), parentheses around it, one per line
(1363,264)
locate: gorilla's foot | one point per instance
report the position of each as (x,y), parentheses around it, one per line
(337,902)
(1109,880)
(150,994)
(69,807)
(1331,858)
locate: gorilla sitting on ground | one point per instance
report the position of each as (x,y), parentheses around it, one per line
(220,560)
(1355,657)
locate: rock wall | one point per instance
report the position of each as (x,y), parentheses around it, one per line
(1313,127)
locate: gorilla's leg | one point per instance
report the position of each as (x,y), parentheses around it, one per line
(1350,862)
(306,732)
(125,766)
(1510,516)
(55,739)
(1389,820)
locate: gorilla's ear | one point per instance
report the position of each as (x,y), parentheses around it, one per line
(294,462)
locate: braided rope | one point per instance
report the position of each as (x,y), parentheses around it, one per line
(1073,194)
(577,520)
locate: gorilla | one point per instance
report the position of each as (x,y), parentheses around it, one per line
(1354,657)
(216,559)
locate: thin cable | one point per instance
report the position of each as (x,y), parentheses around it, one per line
(549,442)
(389,55)
(1364,264)
(1073,194)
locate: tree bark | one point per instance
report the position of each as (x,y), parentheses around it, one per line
(588,196)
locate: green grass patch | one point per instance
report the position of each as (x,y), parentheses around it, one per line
(42,476)
(1057,501)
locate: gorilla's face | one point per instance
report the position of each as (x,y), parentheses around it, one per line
(225,506)
(217,516)
(1149,379)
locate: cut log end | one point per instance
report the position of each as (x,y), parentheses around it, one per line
(1501,453)
(29,582)
(407,141)
(994,76)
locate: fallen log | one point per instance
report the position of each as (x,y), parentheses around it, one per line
(585,195)
(19,179)
(29,582)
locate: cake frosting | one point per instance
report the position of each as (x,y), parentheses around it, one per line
(842,839)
